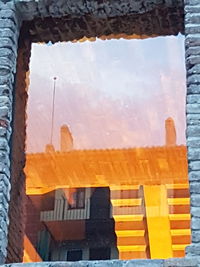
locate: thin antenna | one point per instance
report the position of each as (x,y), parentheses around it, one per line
(53,109)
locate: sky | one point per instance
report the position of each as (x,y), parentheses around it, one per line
(111,94)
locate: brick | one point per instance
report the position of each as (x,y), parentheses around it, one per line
(194,176)
(191,99)
(193,119)
(192,18)
(195,188)
(192,40)
(194,165)
(193,89)
(195,200)
(193,142)
(193,250)
(193,79)
(195,69)
(196,236)
(192,131)
(193,108)
(192,60)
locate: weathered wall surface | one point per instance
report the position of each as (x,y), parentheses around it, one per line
(64,20)
(31,9)
(192,31)
(17,196)
(55,21)
(193,262)
(73,20)
(9,33)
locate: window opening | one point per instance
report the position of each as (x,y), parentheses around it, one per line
(78,199)
(106,159)
(74,255)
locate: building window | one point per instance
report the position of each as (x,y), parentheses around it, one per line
(100,253)
(78,199)
(74,255)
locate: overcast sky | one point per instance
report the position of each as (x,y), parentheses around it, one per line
(112,94)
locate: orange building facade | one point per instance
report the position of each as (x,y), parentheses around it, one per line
(135,201)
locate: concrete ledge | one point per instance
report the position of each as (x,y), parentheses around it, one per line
(176,262)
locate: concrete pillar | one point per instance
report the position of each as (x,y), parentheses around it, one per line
(192,46)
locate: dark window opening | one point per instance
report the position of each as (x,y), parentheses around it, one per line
(78,199)
(74,255)
(100,253)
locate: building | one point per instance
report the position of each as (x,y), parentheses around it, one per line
(110,204)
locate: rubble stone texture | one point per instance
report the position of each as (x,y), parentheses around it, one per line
(192,46)
(72,20)
(192,262)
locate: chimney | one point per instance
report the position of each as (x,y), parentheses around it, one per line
(66,139)
(49,148)
(170,132)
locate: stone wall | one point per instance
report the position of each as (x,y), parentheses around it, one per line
(17,196)
(9,33)
(192,262)
(105,19)
(192,44)
(64,20)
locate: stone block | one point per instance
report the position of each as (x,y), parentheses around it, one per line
(5,132)
(195,187)
(191,2)
(5,189)
(8,53)
(196,236)
(193,142)
(4,144)
(4,169)
(192,9)
(194,176)
(5,101)
(196,68)
(193,250)
(7,42)
(149,263)
(191,99)
(7,23)
(193,108)
(192,18)
(193,119)
(194,165)
(195,223)
(5,113)
(8,33)
(8,63)
(4,227)
(193,89)
(6,91)
(192,131)
(5,70)
(192,40)
(195,200)
(194,79)
(181,262)
(192,60)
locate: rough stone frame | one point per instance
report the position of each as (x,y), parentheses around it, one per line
(64,20)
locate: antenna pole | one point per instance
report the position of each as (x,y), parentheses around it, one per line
(53,109)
